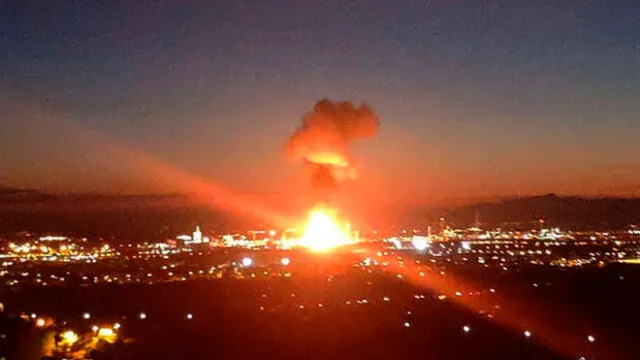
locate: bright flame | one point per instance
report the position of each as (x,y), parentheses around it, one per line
(107,334)
(328,158)
(323,232)
(69,338)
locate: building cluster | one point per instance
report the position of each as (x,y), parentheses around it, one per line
(430,268)
(27,259)
(55,249)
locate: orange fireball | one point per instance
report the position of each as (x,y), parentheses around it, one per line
(323,232)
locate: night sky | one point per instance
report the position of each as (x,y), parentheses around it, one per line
(475,98)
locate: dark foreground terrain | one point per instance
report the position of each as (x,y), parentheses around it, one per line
(357,314)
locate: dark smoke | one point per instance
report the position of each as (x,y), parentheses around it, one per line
(322,177)
(323,139)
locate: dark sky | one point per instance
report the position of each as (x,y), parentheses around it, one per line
(476,98)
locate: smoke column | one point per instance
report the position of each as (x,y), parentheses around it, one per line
(322,140)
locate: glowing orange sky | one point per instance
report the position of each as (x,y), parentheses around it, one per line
(54,153)
(471,103)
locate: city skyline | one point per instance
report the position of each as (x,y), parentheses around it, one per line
(475,100)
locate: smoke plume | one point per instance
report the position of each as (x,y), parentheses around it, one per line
(323,139)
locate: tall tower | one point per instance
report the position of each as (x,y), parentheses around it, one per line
(197,235)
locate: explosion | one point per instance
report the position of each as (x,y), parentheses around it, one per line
(323,139)
(323,232)
(322,142)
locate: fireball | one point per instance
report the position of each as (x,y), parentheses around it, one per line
(323,232)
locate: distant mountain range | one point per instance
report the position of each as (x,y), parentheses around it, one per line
(24,198)
(564,211)
(132,217)
(21,208)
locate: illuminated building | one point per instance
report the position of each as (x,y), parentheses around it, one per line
(197,236)
(53,238)
(420,243)
(68,338)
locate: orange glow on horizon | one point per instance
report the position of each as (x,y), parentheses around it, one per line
(203,191)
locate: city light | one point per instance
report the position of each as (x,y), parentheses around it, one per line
(247,261)
(420,243)
(69,338)
(437,257)
(105,332)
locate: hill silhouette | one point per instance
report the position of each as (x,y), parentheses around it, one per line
(564,211)
(33,210)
